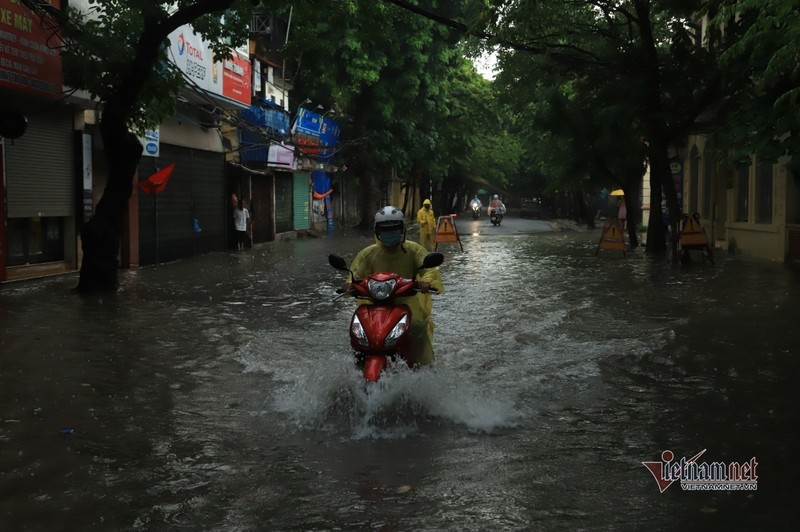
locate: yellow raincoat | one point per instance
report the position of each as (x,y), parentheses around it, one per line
(405,259)
(427,223)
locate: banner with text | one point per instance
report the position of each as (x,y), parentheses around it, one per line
(29,54)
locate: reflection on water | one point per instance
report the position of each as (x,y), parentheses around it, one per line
(219,393)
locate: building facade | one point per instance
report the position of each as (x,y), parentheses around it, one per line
(54,173)
(39,180)
(753,210)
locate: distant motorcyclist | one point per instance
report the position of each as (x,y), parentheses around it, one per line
(496,203)
(475,204)
(393,253)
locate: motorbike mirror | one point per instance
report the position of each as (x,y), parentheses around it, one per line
(432,260)
(337,262)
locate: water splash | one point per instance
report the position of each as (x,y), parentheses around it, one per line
(333,396)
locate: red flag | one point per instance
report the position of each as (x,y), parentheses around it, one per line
(158,181)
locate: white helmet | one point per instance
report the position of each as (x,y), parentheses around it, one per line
(495,197)
(389,216)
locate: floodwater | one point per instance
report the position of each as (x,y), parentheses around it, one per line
(219,394)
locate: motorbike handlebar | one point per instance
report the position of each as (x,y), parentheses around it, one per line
(351,291)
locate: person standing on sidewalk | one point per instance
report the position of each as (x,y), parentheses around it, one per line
(240,218)
(427,223)
(622,213)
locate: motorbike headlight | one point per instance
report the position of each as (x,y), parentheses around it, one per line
(396,332)
(358,331)
(381,289)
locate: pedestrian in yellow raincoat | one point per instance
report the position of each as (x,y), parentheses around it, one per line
(427,223)
(393,253)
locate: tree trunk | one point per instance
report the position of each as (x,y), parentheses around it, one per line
(661,183)
(582,211)
(101,235)
(633,190)
(362,160)
(656,237)
(673,207)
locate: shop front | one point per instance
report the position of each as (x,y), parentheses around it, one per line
(187,217)
(37,172)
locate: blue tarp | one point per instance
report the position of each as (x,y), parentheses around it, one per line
(322,182)
(315,135)
(263,115)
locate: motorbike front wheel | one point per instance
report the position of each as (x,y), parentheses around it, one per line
(373,367)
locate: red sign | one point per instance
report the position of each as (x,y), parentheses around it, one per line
(236,83)
(2,220)
(29,54)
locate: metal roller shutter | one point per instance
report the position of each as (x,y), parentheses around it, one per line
(40,175)
(261,208)
(283,202)
(302,194)
(196,190)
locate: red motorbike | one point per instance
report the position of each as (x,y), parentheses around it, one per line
(379,331)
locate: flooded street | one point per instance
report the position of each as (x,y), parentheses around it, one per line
(219,394)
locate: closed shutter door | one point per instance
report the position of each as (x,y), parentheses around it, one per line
(196,190)
(261,208)
(283,202)
(40,173)
(302,193)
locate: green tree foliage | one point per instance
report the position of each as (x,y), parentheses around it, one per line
(396,79)
(600,80)
(476,145)
(761,117)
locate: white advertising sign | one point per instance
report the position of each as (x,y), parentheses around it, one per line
(150,143)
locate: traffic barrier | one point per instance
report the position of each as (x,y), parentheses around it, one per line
(446,232)
(693,237)
(612,237)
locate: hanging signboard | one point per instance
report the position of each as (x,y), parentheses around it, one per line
(315,135)
(150,142)
(29,54)
(229,79)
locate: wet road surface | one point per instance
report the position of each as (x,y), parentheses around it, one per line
(218,394)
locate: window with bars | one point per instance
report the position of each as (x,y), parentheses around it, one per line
(764,193)
(742,193)
(694,171)
(708,180)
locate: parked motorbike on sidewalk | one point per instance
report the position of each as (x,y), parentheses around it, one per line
(497,216)
(380,327)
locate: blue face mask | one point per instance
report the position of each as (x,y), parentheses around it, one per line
(391,238)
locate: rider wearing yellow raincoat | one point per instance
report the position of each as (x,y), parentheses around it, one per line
(393,253)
